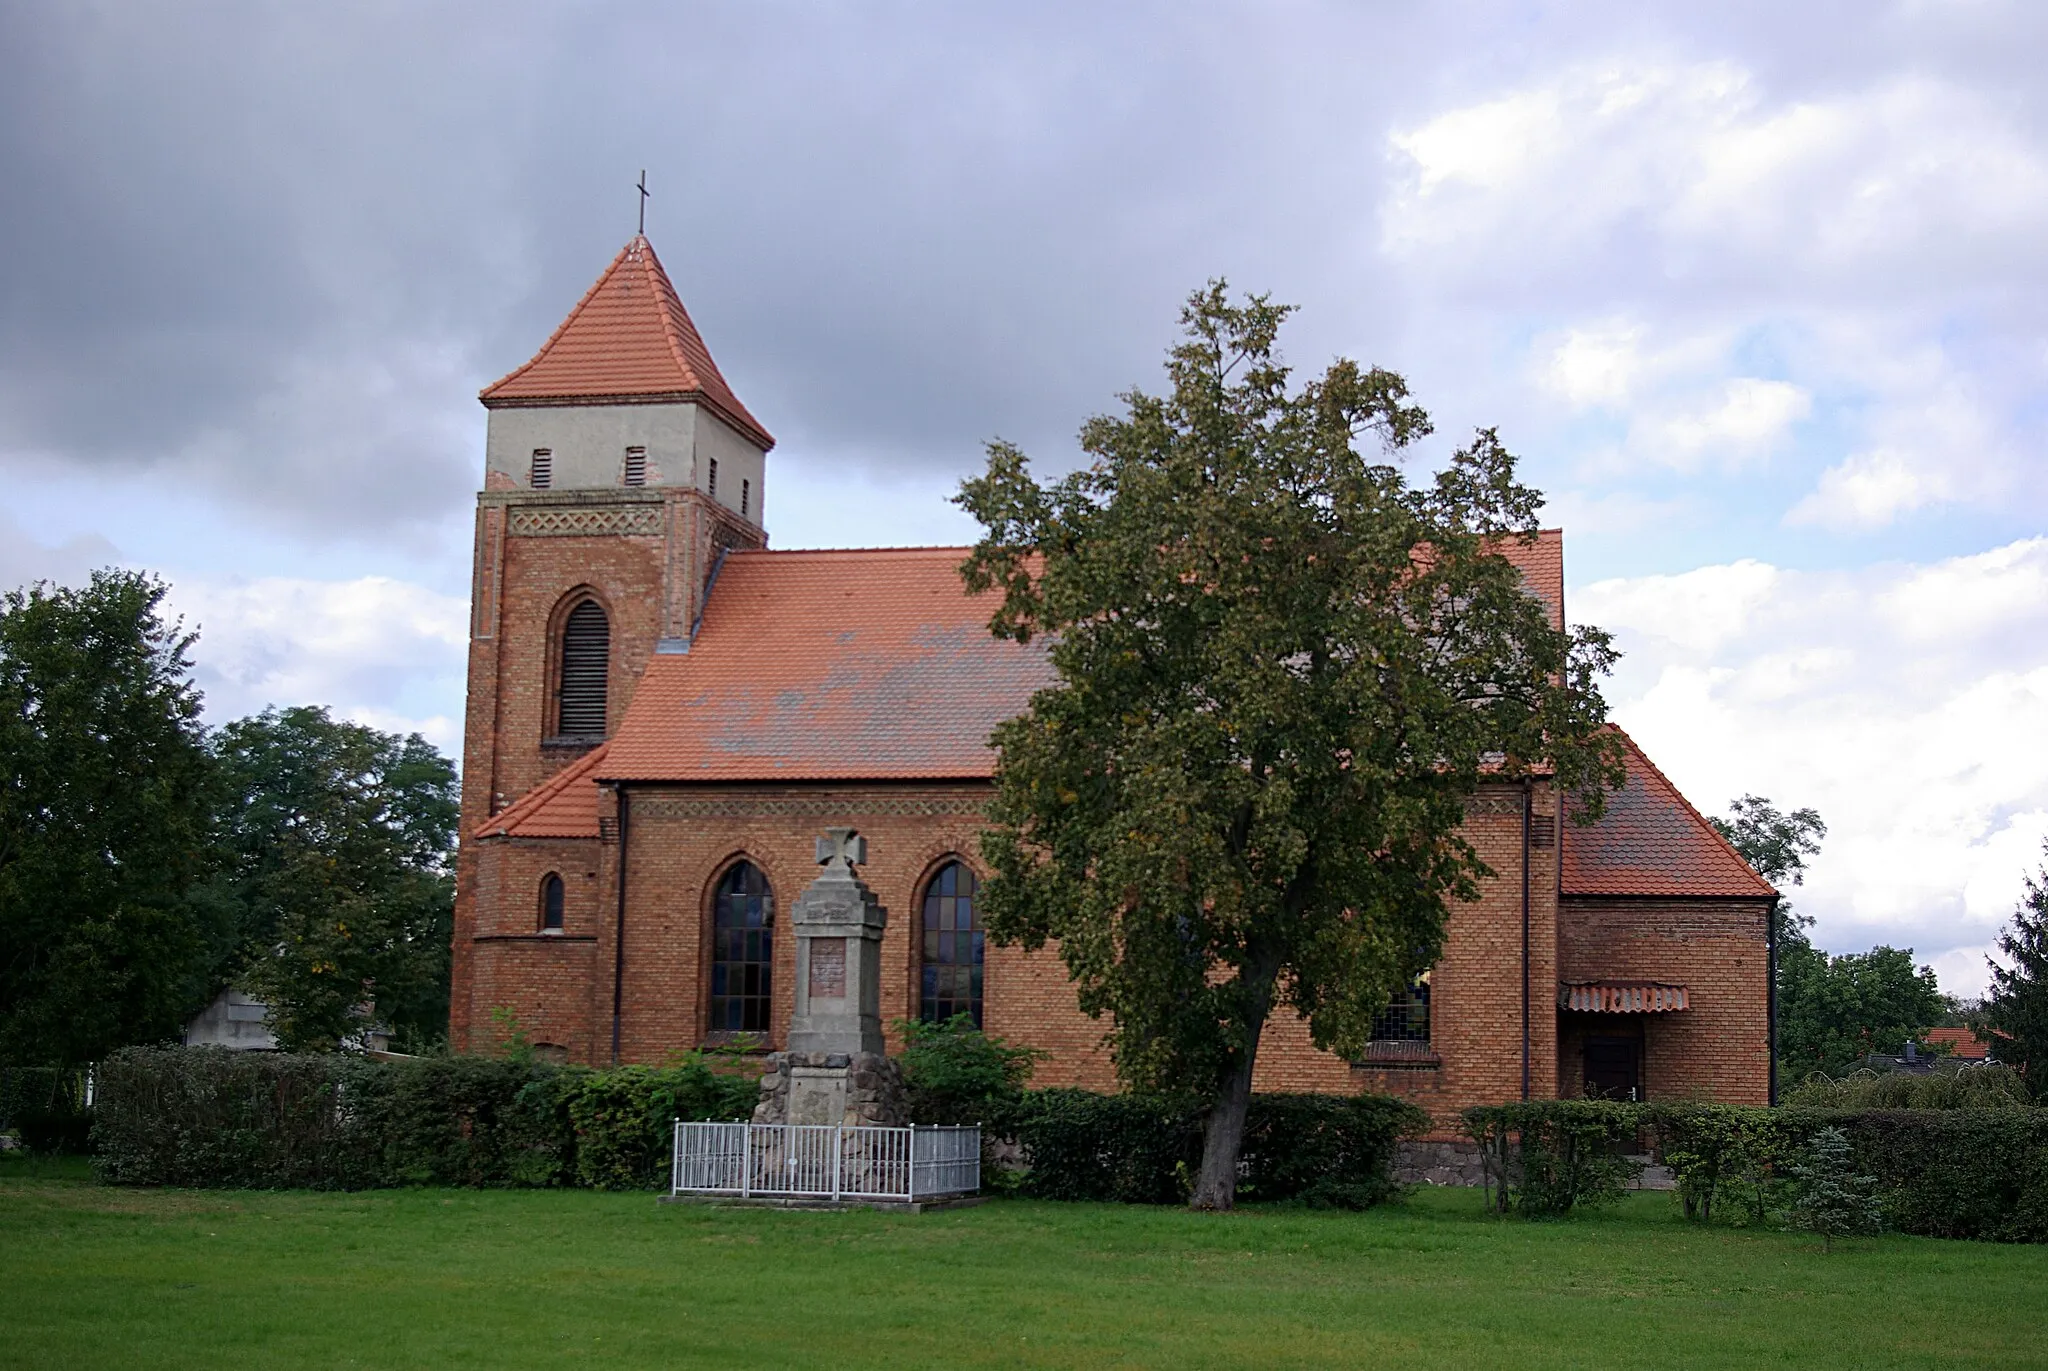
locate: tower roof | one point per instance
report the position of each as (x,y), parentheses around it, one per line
(629,338)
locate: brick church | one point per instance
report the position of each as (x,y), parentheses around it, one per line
(664,714)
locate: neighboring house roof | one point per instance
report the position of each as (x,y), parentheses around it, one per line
(563,806)
(1651,841)
(871,664)
(628,338)
(1963,1045)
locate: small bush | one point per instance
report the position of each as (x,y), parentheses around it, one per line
(1829,1198)
(956,1074)
(1547,1158)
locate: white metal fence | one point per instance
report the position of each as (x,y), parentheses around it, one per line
(825,1162)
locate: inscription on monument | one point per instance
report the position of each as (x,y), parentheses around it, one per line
(828,968)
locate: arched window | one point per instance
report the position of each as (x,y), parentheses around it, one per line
(952,947)
(551,904)
(586,663)
(742,944)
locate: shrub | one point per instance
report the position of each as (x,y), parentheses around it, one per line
(1829,1197)
(1546,1158)
(46,1106)
(956,1074)
(1946,1087)
(209,1117)
(1323,1150)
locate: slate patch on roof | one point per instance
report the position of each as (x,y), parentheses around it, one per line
(857,665)
(1651,841)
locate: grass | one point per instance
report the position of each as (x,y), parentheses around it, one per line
(92,1276)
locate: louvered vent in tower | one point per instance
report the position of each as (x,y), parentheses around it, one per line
(636,466)
(586,658)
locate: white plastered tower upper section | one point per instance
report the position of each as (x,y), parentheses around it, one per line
(587,447)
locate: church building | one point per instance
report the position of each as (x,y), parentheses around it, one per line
(664,714)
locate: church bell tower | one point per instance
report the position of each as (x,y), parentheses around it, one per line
(619,466)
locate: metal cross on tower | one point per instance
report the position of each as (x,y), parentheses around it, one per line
(643,202)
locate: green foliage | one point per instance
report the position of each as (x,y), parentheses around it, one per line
(1281,671)
(1834,1011)
(956,1074)
(2017,1008)
(208,1117)
(1829,1198)
(1547,1158)
(623,1117)
(1776,846)
(105,795)
(338,847)
(1325,1151)
(44,1106)
(1946,1087)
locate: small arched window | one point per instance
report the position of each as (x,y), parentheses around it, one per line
(952,947)
(742,946)
(585,669)
(551,902)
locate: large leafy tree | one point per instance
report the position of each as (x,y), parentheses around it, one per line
(339,840)
(1835,1010)
(1281,671)
(106,791)
(2017,1007)
(1776,846)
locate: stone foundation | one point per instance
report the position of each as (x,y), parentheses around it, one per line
(1438,1163)
(851,1089)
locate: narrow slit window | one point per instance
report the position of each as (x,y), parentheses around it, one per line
(742,951)
(586,669)
(952,954)
(711,481)
(746,489)
(551,902)
(542,473)
(636,466)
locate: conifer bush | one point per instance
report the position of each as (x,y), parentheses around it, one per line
(1830,1198)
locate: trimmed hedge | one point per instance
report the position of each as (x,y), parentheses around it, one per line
(209,1117)
(1325,1150)
(1944,1173)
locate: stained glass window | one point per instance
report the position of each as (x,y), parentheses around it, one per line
(742,949)
(952,947)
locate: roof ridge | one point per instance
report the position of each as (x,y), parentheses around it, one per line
(963,549)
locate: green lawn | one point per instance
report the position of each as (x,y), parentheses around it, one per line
(99,1277)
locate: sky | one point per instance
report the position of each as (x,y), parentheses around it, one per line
(1758,292)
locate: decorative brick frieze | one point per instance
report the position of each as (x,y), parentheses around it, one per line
(633,521)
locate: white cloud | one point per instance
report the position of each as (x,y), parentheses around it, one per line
(374,650)
(1908,704)
(1868,490)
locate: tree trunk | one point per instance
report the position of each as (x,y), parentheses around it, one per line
(1223,1132)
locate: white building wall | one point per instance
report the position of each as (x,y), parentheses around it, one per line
(588,446)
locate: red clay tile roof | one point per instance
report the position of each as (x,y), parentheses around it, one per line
(1652,842)
(870,664)
(1542,566)
(629,337)
(1964,1045)
(563,806)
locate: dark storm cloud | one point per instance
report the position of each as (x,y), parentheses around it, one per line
(278,248)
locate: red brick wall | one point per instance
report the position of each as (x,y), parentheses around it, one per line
(1717,1048)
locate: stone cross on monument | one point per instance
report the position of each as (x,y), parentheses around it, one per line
(835,1070)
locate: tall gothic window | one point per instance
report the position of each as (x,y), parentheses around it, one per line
(586,665)
(952,947)
(551,901)
(742,946)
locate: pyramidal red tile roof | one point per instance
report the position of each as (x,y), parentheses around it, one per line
(629,337)
(563,806)
(1651,841)
(869,664)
